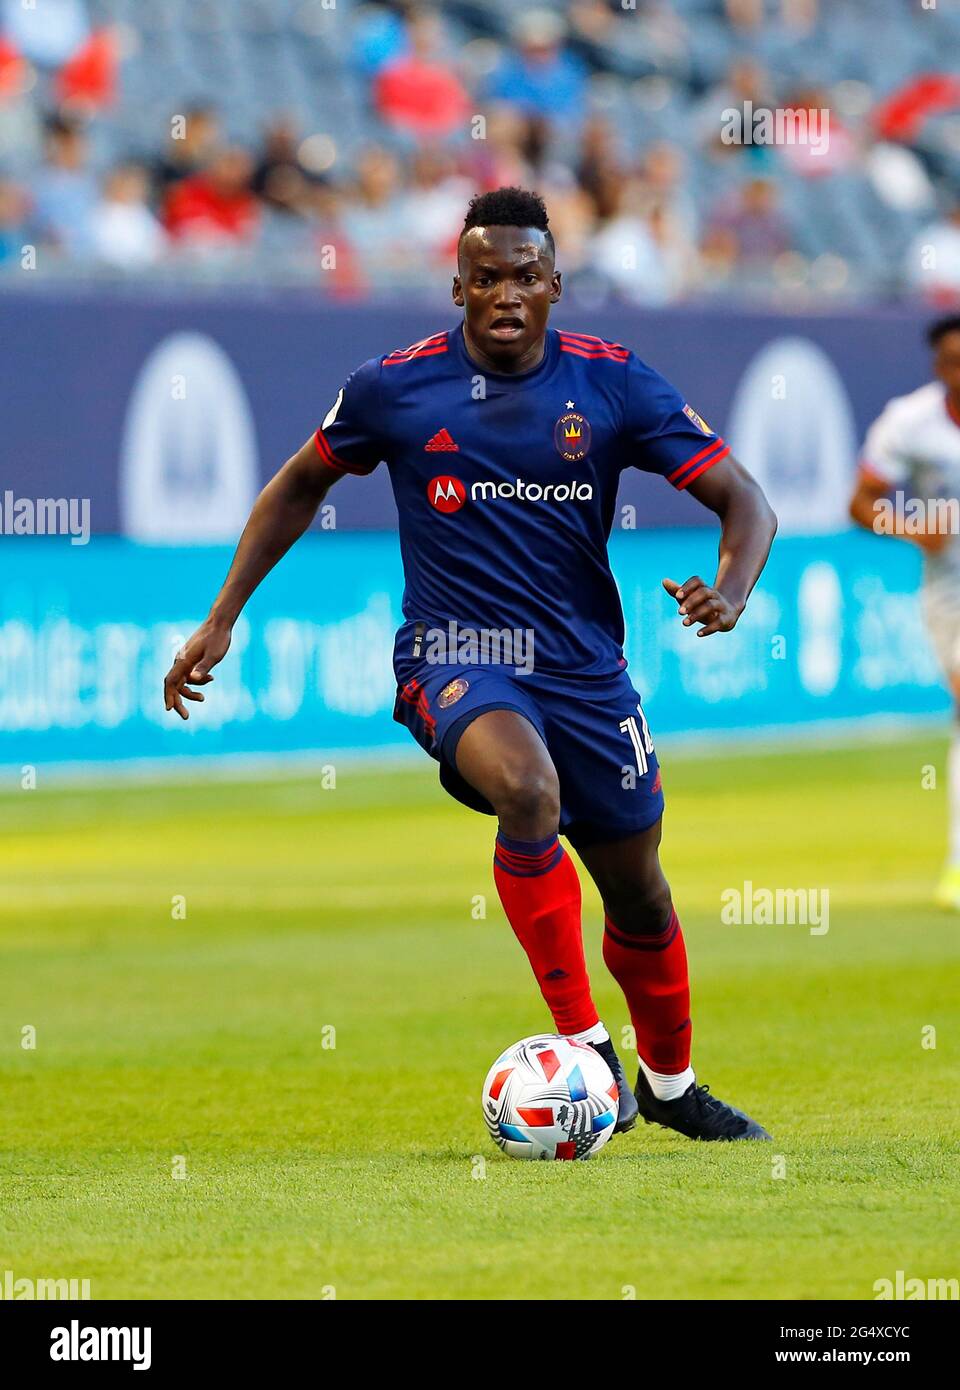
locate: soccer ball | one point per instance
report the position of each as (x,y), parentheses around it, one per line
(550,1097)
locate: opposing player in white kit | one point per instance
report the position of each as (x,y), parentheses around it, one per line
(913,449)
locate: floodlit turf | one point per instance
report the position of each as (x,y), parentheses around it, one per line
(365,1167)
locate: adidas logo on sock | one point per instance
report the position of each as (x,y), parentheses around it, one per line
(441,443)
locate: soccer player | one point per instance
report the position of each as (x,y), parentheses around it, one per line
(505,440)
(913,449)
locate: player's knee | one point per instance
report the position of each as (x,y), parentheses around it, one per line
(639,904)
(527,800)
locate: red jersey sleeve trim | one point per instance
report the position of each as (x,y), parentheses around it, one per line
(427,347)
(700,462)
(330,458)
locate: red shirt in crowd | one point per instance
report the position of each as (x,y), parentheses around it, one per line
(197,209)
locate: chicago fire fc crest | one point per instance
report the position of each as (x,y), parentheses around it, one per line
(571,434)
(452,692)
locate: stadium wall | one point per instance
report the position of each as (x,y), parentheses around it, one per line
(833,632)
(169,411)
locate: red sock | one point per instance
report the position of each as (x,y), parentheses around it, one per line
(652,972)
(540,892)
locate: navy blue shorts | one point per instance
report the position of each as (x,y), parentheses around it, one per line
(594,730)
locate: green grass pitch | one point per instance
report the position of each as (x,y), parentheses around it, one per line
(200,1044)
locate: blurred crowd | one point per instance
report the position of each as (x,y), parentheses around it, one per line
(336,145)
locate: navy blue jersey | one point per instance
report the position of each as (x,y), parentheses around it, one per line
(506,485)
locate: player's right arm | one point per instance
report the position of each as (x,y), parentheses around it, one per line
(885,466)
(348,441)
(872,489)
(280,515)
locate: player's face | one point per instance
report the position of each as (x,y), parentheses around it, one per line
(506,284)
(946,363)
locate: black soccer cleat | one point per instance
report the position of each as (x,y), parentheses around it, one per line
(697,1113)
(627,1114)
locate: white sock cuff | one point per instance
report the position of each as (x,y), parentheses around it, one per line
(591,1035)
(668,1086)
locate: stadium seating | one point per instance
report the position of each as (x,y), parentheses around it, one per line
(655,73)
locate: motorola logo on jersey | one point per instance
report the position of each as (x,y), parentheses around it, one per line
(533,492)
(446,494)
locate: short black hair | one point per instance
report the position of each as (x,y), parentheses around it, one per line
(509,207)
(941,327)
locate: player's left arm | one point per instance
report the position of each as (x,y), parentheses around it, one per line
(747,528)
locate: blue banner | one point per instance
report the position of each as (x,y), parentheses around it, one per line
(832,632)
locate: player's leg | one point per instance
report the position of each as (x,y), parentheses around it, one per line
(941,609)
(503,757)
(948,894)
(954,776)
(486,732)
(644,950)
(613,803)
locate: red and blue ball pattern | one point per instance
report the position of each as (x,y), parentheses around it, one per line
(549,1097)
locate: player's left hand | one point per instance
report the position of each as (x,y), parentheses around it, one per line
(700,603)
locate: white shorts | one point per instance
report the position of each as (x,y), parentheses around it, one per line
(941,611)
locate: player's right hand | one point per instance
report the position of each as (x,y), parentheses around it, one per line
(208,645)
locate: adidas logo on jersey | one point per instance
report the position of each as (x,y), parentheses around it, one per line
(441,443)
